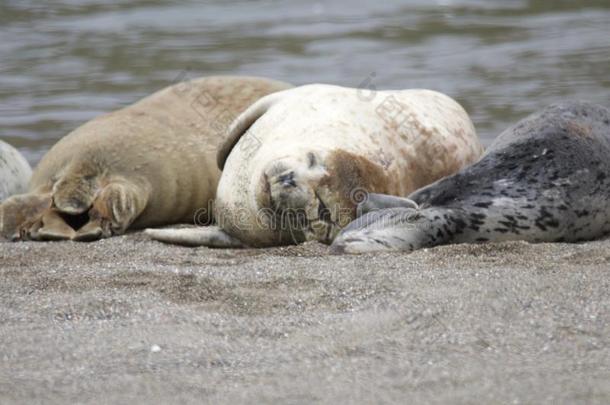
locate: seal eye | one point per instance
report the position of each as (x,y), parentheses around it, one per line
(311,158)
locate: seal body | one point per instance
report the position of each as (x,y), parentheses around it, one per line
(297,162)
(149,164)
(546,179)
(15,171)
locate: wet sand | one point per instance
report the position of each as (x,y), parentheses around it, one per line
(128,320)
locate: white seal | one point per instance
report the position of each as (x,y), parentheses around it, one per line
(15,171)
(297,162)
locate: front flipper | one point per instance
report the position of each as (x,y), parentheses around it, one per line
(115,207)
(391,229)
(375,202)
(51,227)
(20,214)
(210,236)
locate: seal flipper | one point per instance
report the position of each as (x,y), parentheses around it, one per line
(53,227)
(21,214)
(399,229)
(114,209)
(375,202)
(210,236)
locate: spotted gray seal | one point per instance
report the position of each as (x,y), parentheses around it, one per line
(152,163)
(15,171)
(297,161)
(546,179)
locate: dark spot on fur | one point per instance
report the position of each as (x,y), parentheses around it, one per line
(483,204)
(501,230)
(546,219)
(553,176)
(381,242)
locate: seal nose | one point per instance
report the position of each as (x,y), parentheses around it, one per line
(287,180)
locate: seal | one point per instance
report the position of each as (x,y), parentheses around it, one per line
(15,171)
(546,179)
(149,164)
(296,163)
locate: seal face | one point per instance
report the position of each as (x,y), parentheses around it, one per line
(546,179)
(297,162)
(15,171)
(149,164)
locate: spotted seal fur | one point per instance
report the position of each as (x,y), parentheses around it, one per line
(546,179)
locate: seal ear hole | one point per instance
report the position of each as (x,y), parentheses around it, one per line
(77,221)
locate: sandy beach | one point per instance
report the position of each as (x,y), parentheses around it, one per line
(128,320)
(131,321)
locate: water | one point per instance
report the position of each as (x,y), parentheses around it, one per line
(62,62)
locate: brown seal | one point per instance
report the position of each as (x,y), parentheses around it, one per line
(149,164)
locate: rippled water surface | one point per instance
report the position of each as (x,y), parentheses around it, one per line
(63,62)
